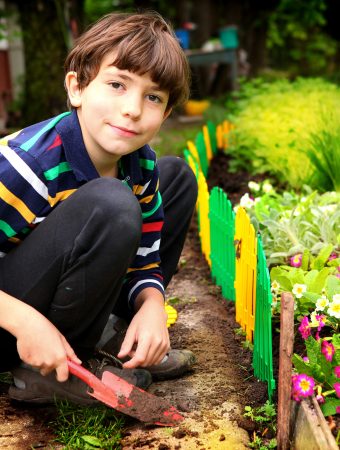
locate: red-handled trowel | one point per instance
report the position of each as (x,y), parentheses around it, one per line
(127,398)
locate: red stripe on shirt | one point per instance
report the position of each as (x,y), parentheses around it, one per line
(153,226)
(57,142)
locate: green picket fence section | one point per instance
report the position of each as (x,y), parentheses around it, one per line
(223,257)
(222,231)
(202,152)
(263,347)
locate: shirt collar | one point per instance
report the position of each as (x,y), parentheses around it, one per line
(74,147)
(78,157)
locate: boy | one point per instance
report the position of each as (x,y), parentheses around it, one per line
(81,214)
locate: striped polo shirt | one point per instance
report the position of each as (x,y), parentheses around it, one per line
(43,164)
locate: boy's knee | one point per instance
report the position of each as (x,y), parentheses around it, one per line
(114,202)
(177,169)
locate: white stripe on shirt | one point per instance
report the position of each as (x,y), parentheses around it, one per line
(150,280)
(144,251)
(25,171)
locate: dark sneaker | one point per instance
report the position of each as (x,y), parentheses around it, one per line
(175,364)
(32,387)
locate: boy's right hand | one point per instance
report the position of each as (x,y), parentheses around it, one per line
(39,343)
(45,347)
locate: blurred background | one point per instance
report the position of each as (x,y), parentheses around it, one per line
(268,38)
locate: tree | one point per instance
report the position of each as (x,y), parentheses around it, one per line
(46,37)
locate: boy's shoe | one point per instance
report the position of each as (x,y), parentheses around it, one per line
(175,364)
(32,387)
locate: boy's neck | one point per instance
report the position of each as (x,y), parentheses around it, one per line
(111,171)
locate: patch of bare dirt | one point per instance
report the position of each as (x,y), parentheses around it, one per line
(213,396)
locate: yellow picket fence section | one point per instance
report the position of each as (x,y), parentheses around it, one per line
(207,143)
(203,216)
(245,273)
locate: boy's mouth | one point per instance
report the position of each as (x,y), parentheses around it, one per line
(121,131)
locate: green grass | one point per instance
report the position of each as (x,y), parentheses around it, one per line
(173,136)
(78,427)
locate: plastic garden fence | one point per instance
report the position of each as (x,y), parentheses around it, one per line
(263,349)
(233,251)
(222,231)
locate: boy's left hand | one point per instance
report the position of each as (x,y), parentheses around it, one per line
(147,338)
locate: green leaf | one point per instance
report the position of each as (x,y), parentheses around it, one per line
(92,440)
(332,286)
(319,282)
(313,348)
(329,407)
(336,341)
(301,366)
(322,257)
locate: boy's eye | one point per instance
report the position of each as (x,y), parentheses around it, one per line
(154,98)
(116,85)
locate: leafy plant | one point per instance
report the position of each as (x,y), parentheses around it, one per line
(292,223)
(322,364)
(274,123)
(265,419)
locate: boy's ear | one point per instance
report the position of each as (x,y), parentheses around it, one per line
(167,113)
(73,90)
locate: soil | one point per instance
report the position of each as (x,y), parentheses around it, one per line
(211,397)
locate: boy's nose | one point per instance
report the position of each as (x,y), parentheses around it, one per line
(132,107)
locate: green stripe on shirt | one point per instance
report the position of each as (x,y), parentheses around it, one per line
(147,164)
(7,229)
(158,204)
(54,172)
(28,144)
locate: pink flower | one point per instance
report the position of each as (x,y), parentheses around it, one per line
(305,358)
(337,389)
(332,256)
(295,261)
(304,328)
(322,320)
(320,399)
(303,385)
(337,409)
(337,371)
(328,350)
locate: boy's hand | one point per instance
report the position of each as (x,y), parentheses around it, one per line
(147,338)
(39,343)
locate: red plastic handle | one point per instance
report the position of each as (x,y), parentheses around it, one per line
(84,374)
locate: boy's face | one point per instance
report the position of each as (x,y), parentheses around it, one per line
(119,112)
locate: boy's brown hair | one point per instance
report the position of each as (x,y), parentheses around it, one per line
(144,43)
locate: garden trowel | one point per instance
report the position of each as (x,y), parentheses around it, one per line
(127,398)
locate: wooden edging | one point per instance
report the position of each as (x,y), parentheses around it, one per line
(300,426)
(309,427)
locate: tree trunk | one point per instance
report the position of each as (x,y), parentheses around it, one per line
(45,50)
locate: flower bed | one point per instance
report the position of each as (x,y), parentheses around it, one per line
(301,240)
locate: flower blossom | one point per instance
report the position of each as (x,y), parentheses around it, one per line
(246,201)
(328,350)
(275,286)
(321,303)
(253,186)
(304,328)
(303,385)
(299,289)
(337,371)
(334,306)
(337,389)
(267,187)
(295,261)
(332,256)
(319,321)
